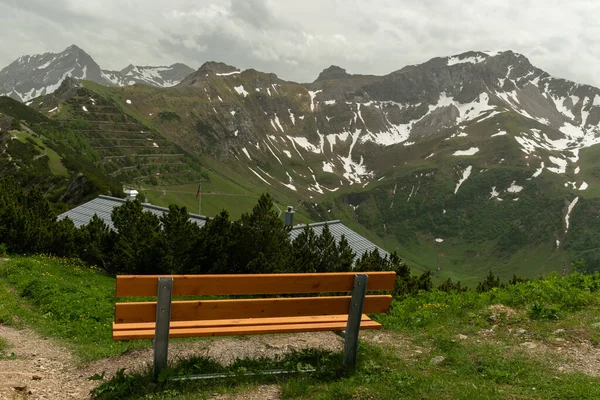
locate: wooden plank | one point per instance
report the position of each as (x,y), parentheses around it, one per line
(237,322)
(249,308)
(242,330)
(210,285)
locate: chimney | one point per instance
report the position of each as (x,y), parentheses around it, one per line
(289,216)
(131,194)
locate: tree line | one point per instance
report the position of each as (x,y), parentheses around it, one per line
(144,243)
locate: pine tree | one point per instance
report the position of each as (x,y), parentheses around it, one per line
(213,247)
(137,248)
(304,251)
(261,240)
(178,237)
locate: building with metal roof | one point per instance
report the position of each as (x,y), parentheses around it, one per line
(357,242)
(103,206)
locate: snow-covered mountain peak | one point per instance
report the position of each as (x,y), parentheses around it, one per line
(31,76)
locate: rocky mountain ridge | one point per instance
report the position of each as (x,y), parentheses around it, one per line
(461,162)
(29,77)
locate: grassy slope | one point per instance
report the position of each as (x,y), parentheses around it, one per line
(411,224)
(64,300)
(54,159)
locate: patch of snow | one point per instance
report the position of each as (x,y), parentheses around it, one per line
(501,133)
(328,167)
(292,118)
(465,175)
(228,73)
(261,178)
(569,210)
(154,144)
(538,171)
(514,188)
(235,133)
(406,144)
(46,65)
(240,90)
(232,113)
(583,186)
(577,169)
(290,185)
(128,101)
(54,109)
(468,152)
(287,153)
(304,143)
(312,98)
(220,99)
(246,153)
(272,152)
(269,92)
(429,156)
(84,108)
(490,115)
(278,123)
(493,193)
(439,240)
(329,102)
(472,60)
(562,165)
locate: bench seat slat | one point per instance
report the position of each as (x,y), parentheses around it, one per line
(249,284)
(249,308)
(242,330)
(237,322)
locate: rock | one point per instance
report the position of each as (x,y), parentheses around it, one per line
(520,331)
(560,330)
(437,360)
(462,337)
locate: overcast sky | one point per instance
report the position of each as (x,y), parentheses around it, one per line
(298,39)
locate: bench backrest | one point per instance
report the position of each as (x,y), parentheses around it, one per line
(260,284)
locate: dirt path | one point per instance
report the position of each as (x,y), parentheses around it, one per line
(41,369)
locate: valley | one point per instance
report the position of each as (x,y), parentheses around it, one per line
(462,164)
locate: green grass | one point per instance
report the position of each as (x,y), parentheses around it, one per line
(65,300)
(62,299)
(478,367)
(54,160)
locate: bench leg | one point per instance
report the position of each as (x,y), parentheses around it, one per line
(163,318)
(354,316)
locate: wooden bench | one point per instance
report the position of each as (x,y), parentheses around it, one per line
(164,318)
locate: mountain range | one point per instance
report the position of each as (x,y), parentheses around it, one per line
(29,77)
(462,164)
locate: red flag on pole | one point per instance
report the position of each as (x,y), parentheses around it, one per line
(198,191)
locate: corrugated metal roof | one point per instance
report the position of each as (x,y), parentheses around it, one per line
(358,243)
(103,206)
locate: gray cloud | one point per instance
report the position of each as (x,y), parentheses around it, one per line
(296,40)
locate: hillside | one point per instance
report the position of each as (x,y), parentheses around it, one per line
(531,340)
(461,164)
